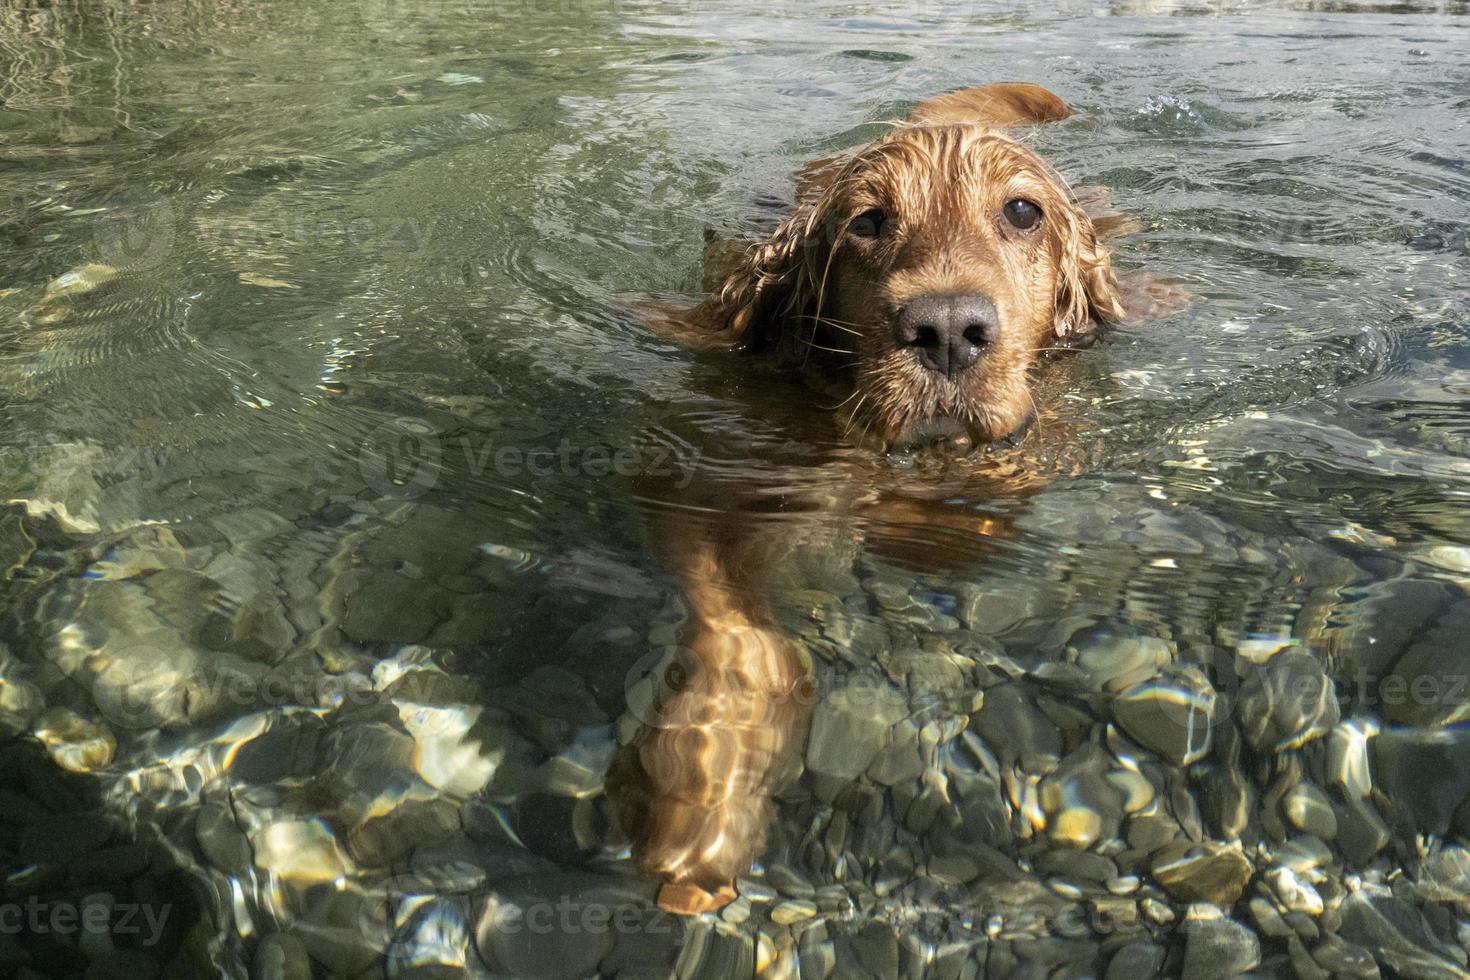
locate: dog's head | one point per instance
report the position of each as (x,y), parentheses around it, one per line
(933,267)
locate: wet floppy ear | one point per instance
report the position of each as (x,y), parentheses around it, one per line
(1143,295)
(699,326)
(770,284)
(1000,104)
(1146,296)
(1087,292)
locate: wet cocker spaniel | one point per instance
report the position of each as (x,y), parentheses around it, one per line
(925,275)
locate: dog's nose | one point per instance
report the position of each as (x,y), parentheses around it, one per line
(947,333)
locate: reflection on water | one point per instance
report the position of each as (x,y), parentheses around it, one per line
(734,703)
(332,629)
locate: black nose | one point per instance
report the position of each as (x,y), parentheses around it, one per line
(947,333)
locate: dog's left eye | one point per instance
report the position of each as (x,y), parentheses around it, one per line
(1022,214)
(869,224)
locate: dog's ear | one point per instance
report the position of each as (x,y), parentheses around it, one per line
(1146,296)
(772,283)
(1107,223)
(1001,104)
(1141,295)
(698,326)
(1087,291)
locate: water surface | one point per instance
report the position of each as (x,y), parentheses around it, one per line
(319,579)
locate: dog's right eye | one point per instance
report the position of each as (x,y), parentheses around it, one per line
(869,224)
(1022,214)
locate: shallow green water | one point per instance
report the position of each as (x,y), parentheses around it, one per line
(313,572)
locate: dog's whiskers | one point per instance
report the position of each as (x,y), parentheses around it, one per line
(872,417)
(842,325)
(821,298)
(853,417)
(855,393)
(834,350)
(1035,411)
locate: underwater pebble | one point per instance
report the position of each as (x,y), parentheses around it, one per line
(222,842)
(1309,810)
(1081,807)
(1065,889)
(1217,947)
(1203,872)
(1259,649)
(757,891)
(1157,911)
(1426,686)
(1077,866)
(1136,961)
(76,744)
(1348,764)
(1114,661)
(1399,938)
(1287,702)
(958,867)
(300,851)
(1268,919)
(53,307)
(1361,831)
(1137,791)
(1126,885)
(1424,774)
(1302,963)
(1151,828)
(791,912)
(737,911)
(1345,960)
(788,882)
(1294,894)
(280,956)
(851,726)
(511,942)
(1011,726)
(815,952)
(900,762)
(83,279)
(1445,876)
(996,609)
(20,702)
(1172,714)
(1303,854)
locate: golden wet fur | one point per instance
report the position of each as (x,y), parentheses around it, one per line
(818,297)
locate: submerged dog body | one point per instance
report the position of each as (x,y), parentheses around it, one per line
(923,275)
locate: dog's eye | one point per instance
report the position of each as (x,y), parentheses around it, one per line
(869,224)
(1022,214)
